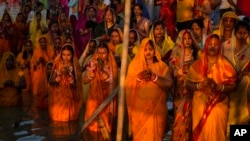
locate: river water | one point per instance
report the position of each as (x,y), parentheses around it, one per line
(23,124)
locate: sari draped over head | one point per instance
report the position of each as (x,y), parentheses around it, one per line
(34,32)
(83,61)
(114,47)
(102,29)
(99,90)
(9,95)
(82,40)
(238,112)
(166,45)
(38,74)
(65,99)
(24,64)
(220,30)
(210,109)
(132,50)
(146,101)
(182,97)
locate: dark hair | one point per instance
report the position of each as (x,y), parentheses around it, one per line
(38,13)
(199,22)
(195,49)
(246,19)
(138,5)
(103,45)
(25,53)
(151,43)
(134,31)
(242,24)
(69,48)
(91,24)
(53,22)
(159,23)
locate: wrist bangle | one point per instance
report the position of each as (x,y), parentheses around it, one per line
(138,79)
(198,86)
(156,78)
(222,89)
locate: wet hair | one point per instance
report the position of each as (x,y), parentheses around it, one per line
(69,48)
(241,24)
(103,45)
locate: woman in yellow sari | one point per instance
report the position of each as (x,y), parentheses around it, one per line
(101,73)
(226,25)
(183,55)
(162,41)
(146,85)
(12,81)
(211,77)
(65,92)
(36,28)
(237,52)
(23,63)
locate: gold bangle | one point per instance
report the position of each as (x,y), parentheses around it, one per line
(222,89)
(198,86)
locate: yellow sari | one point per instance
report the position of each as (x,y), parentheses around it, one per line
(9,95)
(238,111)
(146,101)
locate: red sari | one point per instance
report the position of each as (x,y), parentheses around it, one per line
(210,109)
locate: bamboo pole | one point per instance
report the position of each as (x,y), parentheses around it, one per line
(124,65)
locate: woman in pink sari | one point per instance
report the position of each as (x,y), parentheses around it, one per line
(83,31)
(211,77)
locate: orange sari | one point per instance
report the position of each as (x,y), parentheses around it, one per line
(146,101)
(24,66)
(38,74)
(65,100)
(98,92)
(9,95)
(210,109)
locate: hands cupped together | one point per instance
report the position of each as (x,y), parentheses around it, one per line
(146,75)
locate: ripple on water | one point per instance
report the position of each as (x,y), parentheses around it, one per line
(31,138)
(21,133)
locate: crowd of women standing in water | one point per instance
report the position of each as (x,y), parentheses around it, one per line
(67,64)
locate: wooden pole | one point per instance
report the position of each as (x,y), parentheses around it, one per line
(124,65)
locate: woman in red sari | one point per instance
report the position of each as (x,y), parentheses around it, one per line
(65,93)
(146,85)
(211,77)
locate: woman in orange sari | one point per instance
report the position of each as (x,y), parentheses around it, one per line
(23,63)
(12,81)
(65,93)
(101,73)
(41,56)
(211,77)
(146,85)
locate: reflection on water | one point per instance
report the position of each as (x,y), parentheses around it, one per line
(20,124)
